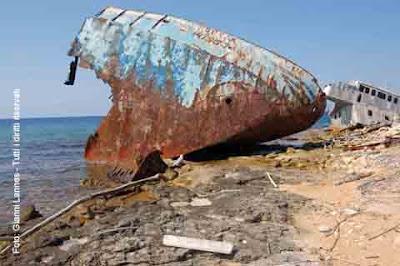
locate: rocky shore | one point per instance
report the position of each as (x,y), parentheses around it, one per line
(337,202)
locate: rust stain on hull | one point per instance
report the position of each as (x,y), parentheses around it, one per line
(178,87)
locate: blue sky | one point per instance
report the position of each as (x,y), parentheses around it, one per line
(335,40)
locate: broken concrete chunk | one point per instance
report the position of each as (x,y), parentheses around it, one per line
(198,244)
(200,202)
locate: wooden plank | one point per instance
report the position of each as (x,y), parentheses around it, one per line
(198,244)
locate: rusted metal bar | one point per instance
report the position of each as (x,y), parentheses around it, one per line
(72,72)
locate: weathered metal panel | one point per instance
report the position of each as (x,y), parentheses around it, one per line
(179,86)
(361,105)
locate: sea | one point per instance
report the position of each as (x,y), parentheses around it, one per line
(52,163)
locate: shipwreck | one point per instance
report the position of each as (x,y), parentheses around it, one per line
(359,103)
(178,86)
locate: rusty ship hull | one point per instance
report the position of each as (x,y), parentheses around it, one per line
(178,86)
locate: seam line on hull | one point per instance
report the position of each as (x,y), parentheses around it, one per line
(101,12)
(119,15)
(139,17)
(159,21)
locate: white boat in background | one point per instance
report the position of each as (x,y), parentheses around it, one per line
(358,103)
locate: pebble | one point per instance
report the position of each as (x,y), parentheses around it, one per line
(29,212)
(47,259)
(240,220)
(349,212)
(324,229)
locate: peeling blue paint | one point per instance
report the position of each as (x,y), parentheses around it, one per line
(191,56)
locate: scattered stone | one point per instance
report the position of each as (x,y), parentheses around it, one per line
(290,150)
(200,202)
(233,175)
(170,174)
(259,219)
(29,212)
(127,222)
(69,244)
(47,259)
(254,217)
(75,222)
(52,241)
(349,212)
(325,229)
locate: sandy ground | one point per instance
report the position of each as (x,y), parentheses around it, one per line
(351,216)
(337,203)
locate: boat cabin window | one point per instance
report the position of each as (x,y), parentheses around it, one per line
(395,100)
(387,118)
(369,113)
(390,98)
(373,92)
(381,95)
(363,88)
(359,98)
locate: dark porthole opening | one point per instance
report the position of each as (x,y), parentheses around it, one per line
(369,113)
(228,100)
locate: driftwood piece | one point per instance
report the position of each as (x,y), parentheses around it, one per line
(271,180)
(198,244)
(79,201)
(375,127)
(384,232)
(364,146)
(387,142)
(336,238)
(391,140)
(353,178)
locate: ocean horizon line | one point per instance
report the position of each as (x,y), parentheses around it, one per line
(55,117)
